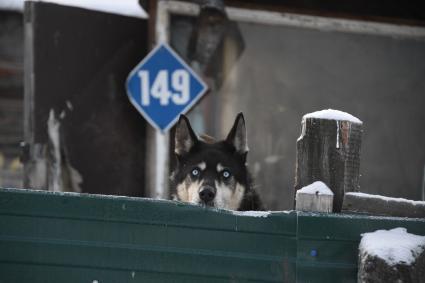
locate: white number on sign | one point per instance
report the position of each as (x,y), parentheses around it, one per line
(144,87)
(160,88)
(180,82)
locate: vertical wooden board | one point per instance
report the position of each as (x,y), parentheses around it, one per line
(329,151)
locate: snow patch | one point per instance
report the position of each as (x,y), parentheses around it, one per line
(12,5)
(403,200)
(130,8)
(316,188)
(331,114)
(252,213)
(395,246)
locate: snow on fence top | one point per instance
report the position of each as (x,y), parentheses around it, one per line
(317,187)
(252,213)
(400,200)
(395,246)
(130,8)
(331,114)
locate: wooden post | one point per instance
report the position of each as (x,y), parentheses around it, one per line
(391,256)
(315,197)
(328,150)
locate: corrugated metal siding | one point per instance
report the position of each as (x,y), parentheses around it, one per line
(51,237)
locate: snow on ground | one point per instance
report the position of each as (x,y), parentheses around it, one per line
(395,246)
(331,114)
(130,8)
(317,187)
(402,200)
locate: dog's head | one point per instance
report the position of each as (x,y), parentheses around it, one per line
(211,173)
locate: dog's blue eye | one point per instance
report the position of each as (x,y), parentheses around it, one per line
(195,172)
(226,174)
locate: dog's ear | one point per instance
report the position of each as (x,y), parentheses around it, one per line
(237,135)
(185,137)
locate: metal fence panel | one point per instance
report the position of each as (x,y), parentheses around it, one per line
(47,237)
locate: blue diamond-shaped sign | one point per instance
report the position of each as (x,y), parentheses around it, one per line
(162,86)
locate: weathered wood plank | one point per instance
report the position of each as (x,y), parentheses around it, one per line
(381,205)
(329,151)
(315,197)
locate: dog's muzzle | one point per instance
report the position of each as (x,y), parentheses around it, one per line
(207,195)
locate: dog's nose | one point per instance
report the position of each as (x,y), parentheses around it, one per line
(207,194)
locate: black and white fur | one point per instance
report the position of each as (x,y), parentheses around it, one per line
(213,173)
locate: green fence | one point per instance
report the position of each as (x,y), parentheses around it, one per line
(54,237)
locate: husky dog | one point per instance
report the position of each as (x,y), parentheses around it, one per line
(213,173)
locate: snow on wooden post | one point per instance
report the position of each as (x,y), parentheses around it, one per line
(382,205)
(391,256)
(328,150)
(315,197)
